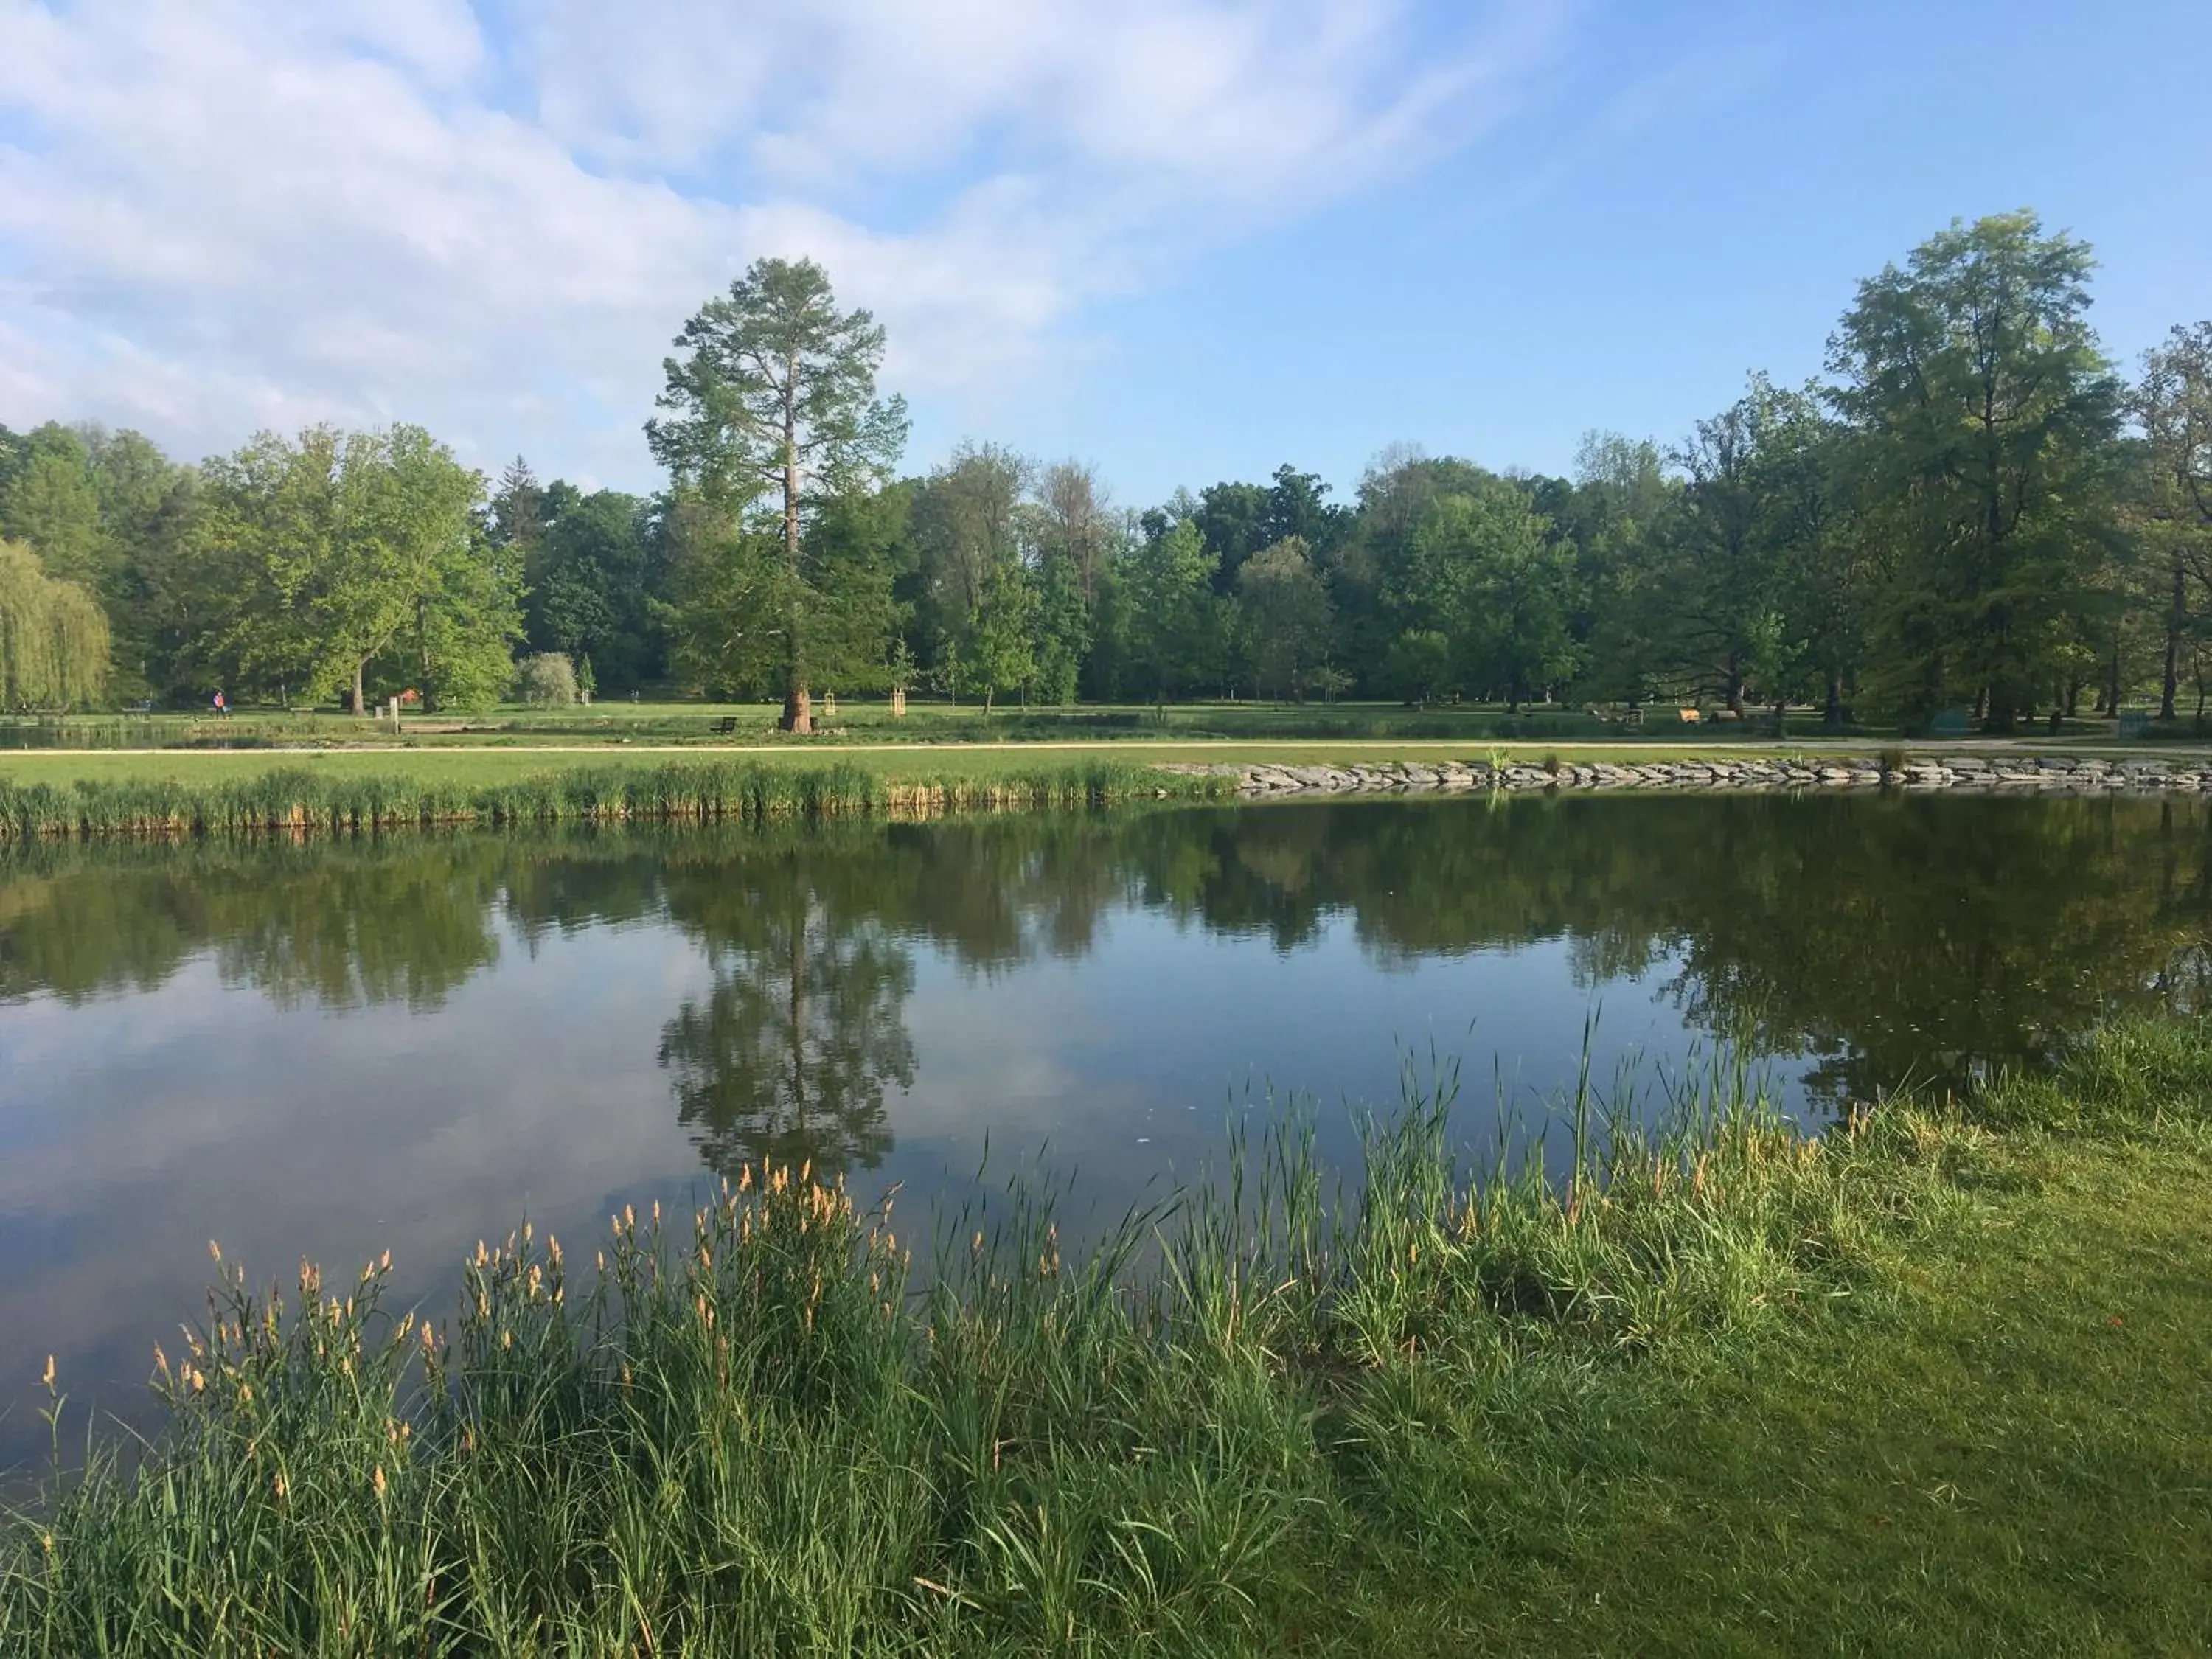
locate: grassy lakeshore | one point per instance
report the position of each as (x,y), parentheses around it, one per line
(169,792)
(1930,1383)
(122,795)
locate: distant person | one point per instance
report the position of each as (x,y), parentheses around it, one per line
(220,706)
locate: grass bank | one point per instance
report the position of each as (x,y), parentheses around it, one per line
(1931,1383)
(155,797)
(867,720)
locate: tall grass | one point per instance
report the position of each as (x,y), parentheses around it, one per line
(306,800)
(760,1429)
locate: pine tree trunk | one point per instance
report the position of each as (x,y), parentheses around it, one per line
(797,707)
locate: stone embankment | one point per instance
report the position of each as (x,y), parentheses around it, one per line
(2006,773)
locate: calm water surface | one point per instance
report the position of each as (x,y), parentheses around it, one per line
(330,1050)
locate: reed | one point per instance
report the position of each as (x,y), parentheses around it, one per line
(762,1429)
(305,799)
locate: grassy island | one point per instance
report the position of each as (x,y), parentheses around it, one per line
(1931,1383)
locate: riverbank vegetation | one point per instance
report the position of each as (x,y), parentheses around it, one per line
(146,797)
(1975,517)
(1926,1380)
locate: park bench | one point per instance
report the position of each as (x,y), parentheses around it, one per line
(726,725)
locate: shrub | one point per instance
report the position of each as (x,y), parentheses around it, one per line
(547,679)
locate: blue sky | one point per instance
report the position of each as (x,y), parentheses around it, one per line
(1184,239)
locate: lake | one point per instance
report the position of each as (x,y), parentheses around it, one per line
(333,1049)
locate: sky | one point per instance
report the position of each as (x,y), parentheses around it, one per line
(1183,240)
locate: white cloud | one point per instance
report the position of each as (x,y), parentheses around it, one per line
(242,213)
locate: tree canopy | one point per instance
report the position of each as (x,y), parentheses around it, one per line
(1972,515)
(775,396)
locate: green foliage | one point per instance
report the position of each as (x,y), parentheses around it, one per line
(53,637)
(316,558)
(761,1429)
(51,503)
(304,799)
(548,678)
(590,565)
(1168,611)
(1064,625)
(1003,651)
(1987,417)
(775,397)
(1288,623)
(1479,569)
(1420,665)
(1954,519)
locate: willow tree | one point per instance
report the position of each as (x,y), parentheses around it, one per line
(773,401)
(53,636)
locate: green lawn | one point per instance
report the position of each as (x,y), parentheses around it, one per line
(934,740)
(2002,1445)
(493,763)
(870,720)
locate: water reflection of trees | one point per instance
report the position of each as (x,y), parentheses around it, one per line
(1890,937)
(790,1053)
(344,926)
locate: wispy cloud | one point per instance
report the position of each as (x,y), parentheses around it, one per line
(491,219)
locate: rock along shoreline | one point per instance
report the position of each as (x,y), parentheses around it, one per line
(2010,774)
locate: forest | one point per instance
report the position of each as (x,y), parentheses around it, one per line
(1975,509)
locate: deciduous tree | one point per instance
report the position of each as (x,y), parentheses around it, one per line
(1987,417)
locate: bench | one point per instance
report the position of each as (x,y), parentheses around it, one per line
(726,725)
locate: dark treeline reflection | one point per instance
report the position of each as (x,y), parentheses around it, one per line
(1891,938)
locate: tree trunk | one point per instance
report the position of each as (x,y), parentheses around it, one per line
(1735,684)
(797,707)
(2073,696)
(360,694)
(2112,683)
(1832,716)
(2175,616)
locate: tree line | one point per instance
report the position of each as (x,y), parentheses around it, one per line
(1974,509)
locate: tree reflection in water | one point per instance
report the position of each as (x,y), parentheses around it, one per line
(1887,940)
(789,1056)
